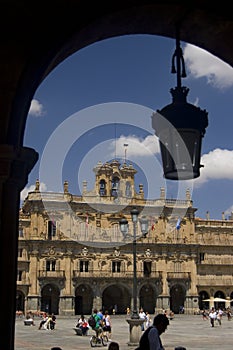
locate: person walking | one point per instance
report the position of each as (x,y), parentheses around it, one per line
(142,316)
(107,325)
(204,315)
(212,316)
(150,339)
(219,316)
(148,320)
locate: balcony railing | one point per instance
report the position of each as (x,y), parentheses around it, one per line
(179,275)
(52,274)
(121,274)
(214,280)
(23,282)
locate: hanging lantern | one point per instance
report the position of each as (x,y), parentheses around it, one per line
(180,127)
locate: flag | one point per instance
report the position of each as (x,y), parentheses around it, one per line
(87,220)
(178,224)
(152,222)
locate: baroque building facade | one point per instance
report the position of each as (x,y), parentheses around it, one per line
(72,256)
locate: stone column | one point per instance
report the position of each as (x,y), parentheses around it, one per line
(15,165)
(135,331)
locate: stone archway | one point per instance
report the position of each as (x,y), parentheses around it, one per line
(83,300)
(116,297)
(177,298)
(203,305)
(50,299)
(20,301)
(147,298)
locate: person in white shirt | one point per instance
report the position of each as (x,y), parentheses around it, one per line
(148,320)
(219,316)
(107,325)
(212,316)
(142,316)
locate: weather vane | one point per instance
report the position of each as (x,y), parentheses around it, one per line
(125,145)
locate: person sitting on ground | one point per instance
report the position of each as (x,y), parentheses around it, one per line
(44,320)
(150,339)
(47,324)
(30,320)
(83,324)
(53,321)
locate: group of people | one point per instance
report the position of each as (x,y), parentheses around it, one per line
(145,316)
(150,339)
(213,315)
(103,323)
(48,321)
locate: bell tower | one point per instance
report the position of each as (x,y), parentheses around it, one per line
(113,180)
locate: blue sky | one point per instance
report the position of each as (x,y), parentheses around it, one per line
(103,96)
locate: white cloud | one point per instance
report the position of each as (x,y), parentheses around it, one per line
(201,63)
(31,188)
(229,211)
(215,166)
(36,109)
(136,147)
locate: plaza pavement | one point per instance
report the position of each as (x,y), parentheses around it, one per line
(184,330)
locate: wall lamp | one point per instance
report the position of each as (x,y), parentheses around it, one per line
(180,127)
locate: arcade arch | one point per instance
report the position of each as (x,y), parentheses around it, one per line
(83,300)
(147,298)
(50,294)
(116,297)
(20,301)
(177,297)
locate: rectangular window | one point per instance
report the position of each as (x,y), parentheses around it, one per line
(202,256)
(20,252)
(147,268)
(51,229)
(50,265)
(116,266)
(84,266)
(20,232)
(19,275)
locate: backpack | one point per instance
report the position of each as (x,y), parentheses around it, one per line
(92,321)
(144,341)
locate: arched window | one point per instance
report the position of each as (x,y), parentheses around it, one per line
(115,186)
(128,191)
(102,188)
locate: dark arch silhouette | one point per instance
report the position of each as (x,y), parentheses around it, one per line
(30,51)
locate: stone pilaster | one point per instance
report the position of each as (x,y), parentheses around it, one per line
(15,165)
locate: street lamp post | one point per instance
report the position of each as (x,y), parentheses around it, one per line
(134,216)
(134,322)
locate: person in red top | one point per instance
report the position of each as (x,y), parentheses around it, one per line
(83,325)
